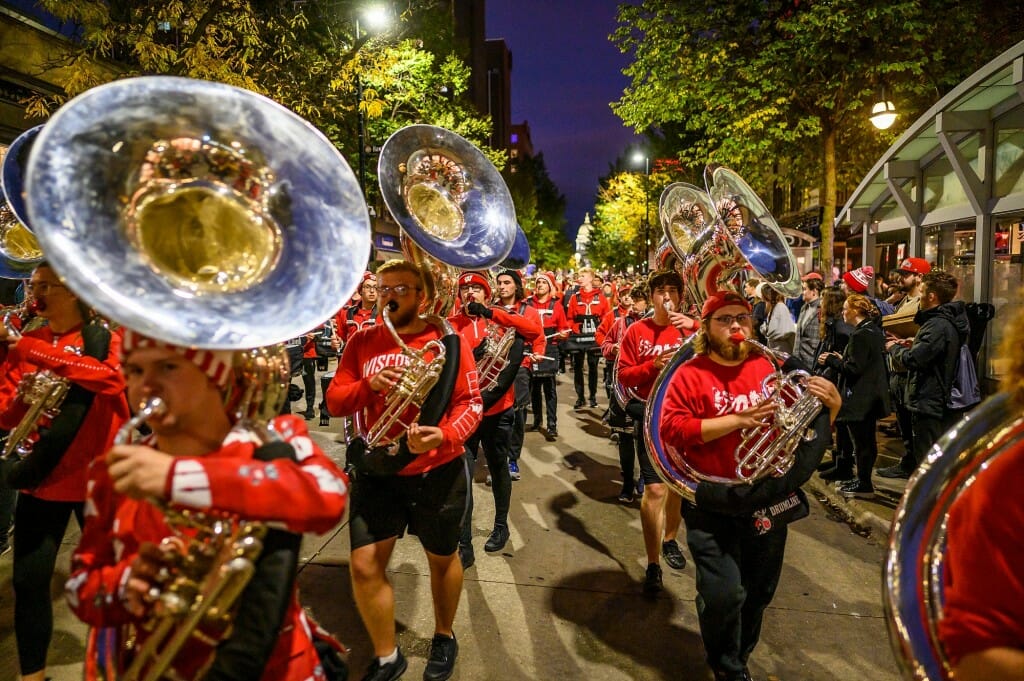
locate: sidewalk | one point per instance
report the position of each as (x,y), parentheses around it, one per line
(874,515)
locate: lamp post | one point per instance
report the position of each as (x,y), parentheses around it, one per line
(646,250)
(377,18)
(883,113)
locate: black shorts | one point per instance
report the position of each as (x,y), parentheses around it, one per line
(432,506)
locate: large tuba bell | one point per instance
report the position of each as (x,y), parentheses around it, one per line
(205,208)
(913,570)
(19,249)
(718,238)
(455,212)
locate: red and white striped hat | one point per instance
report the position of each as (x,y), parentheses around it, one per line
(216,364)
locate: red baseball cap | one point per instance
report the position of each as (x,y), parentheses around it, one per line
(720,300)
(812,275)
(915,266)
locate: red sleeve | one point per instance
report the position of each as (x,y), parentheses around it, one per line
(603,328)
(307,495)
(465,409)
(635,371)
(561,320)
(527,327)
(11,408)
(93,590)
(570,314)
(349,392)
(680,415)
(984,577)
(610,344)
(540,343)
(90,373)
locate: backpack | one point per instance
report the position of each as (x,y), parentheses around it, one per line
(964,392)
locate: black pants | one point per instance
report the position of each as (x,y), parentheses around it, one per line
(865,446)
(623,425)
(39,527)
(309,382)
(927,431)
(8,497)
(522,403)
(737,574)
(493,434)
(577,377)
(543,389)
(905,420)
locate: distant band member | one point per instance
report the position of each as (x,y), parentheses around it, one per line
(427,496)
(556,330)
(736,534)
(199,458)
(584,309)
(645,349)
(52,479)
(982,625)
(495,431)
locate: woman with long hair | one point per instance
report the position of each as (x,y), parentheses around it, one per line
(835,334)
(864,387)
(778,328)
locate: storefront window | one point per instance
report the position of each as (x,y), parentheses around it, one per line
(1007,280)
(951,248)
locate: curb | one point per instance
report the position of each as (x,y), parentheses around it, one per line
(852,510)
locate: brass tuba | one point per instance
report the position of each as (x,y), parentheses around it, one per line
(718,237)
(205,206)
(913,570)
(455,213)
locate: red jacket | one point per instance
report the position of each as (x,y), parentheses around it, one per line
(613,339)
(538,344)
(371,349)
(474,330)
(703,389)
(306,496)
(641,344)
(352,318)
(608,320)
(42,349)
(586,308)
(552,316)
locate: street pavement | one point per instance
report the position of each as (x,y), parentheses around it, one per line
(563,600)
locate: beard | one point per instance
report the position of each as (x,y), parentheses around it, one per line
(728,350)
(402,316)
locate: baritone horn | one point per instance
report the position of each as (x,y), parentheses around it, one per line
(205,206)
(718,237)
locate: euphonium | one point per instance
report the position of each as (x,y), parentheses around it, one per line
(43,392)
(770,448)
(497,346)
(205,206)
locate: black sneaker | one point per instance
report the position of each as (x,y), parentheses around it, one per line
(325,419)
(497,540)
(673,556)
(551,435)
(626,495)
(858,490)
(593,403)
(386,672)
(892,472)
(535,428)
(308,414)
(652,580)
(579,404)
(441,664)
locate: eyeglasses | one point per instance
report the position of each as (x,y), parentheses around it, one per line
(399,291)
(42,288)
(370,287)
(475,288)
(728,319)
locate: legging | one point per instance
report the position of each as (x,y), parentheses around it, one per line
(865,447)
(39,527)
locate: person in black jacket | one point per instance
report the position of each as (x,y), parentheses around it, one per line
(931,359)
(864,387)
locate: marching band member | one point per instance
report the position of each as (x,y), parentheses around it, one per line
(646,347)
(427,496)
(584,309)
(556,329)
(199,458)
(511,297)
(495,429)
(364,313)
(52,479)
(736,534)
(622,308)
(618,420)
(982,623)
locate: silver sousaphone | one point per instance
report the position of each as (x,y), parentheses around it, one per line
(197,213)
(719,238)
(452,204)
(19,249)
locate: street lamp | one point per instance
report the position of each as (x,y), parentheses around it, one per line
(376,18)
(637,158)
(883,113)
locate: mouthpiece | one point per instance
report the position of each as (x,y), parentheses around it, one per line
(738,337)
(392,306)
(669,307)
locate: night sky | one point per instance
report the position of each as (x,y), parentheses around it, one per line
(565,72)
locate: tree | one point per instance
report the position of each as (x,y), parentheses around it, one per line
(781,87)
(540,209)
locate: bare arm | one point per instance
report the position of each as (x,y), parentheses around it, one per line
(1006,664)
